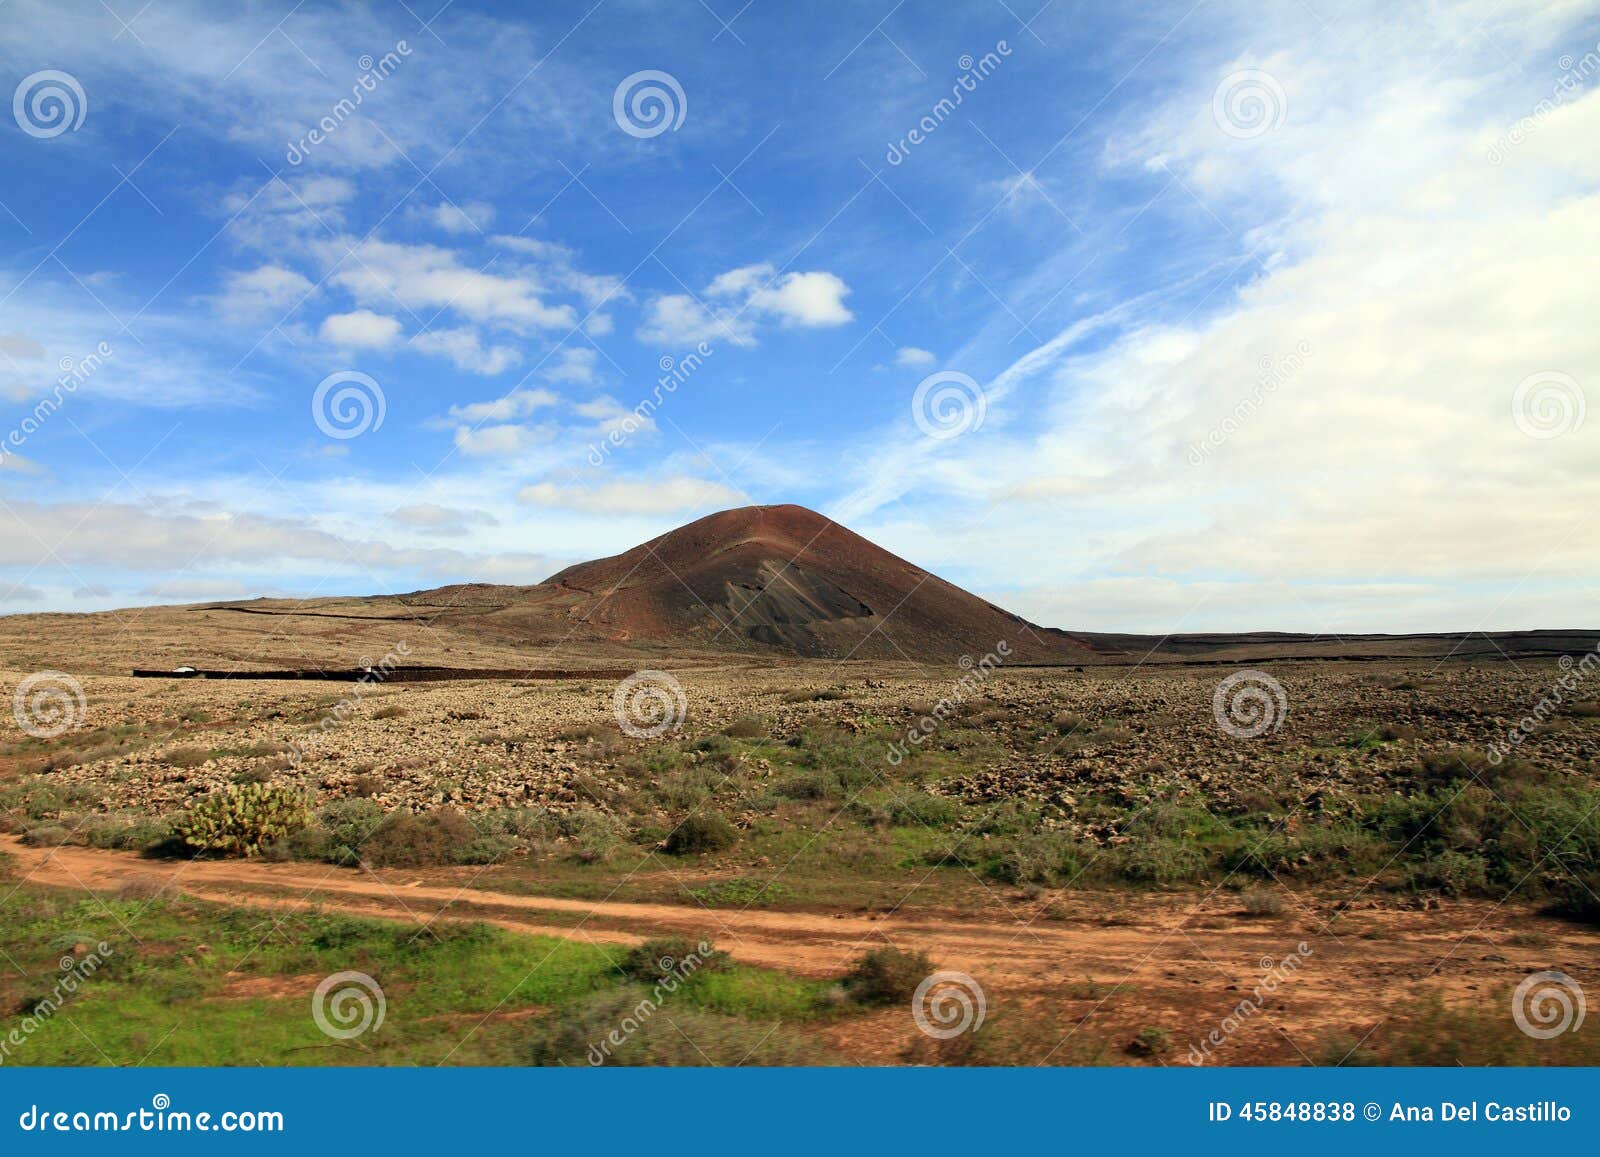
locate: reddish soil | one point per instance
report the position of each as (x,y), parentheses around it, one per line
(1114,962)
(787,578)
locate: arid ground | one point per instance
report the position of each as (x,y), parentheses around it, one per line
(1123,878)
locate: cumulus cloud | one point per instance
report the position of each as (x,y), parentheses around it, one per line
(361,329)
(913,357)
(735,301)
(456,218)
(441,521)
(465,348)
(263,293)
(180,541)
(803,299)
(430,277)
(516,404)
(495,441)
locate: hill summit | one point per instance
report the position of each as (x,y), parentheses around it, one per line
(788,578)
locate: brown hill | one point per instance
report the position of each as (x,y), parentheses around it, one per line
(788,579)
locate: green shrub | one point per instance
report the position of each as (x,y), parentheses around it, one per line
(748,727)
(701,832)
(1013,1040)
(886,976)
(654,959)
(670,1034)
(241,819)
(407,839)
(741,893)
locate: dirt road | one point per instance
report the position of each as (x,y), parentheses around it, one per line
(1179,961)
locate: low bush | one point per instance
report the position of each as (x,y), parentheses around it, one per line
(654,959)
(700,832)
(1262,902)
(667,1035)
(408,839)
(886,976)
(748,727)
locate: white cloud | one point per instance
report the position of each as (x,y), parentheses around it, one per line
(678,320)
(609,415)
(913,357)
(361,329)
(516,404)
(428,277)
(20,347)
(655,496)
(196,590)
(15,461)
(1359,368)
(182,540)
(263,293)
(443,521)
(458,218)
(736,300)
(572,364)
(495,441)
(805,299)
(466,350)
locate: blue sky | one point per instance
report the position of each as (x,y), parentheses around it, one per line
(1237,317)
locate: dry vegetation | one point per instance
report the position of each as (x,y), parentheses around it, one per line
(1044,790)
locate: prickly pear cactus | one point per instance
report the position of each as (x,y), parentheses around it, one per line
(241,819)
